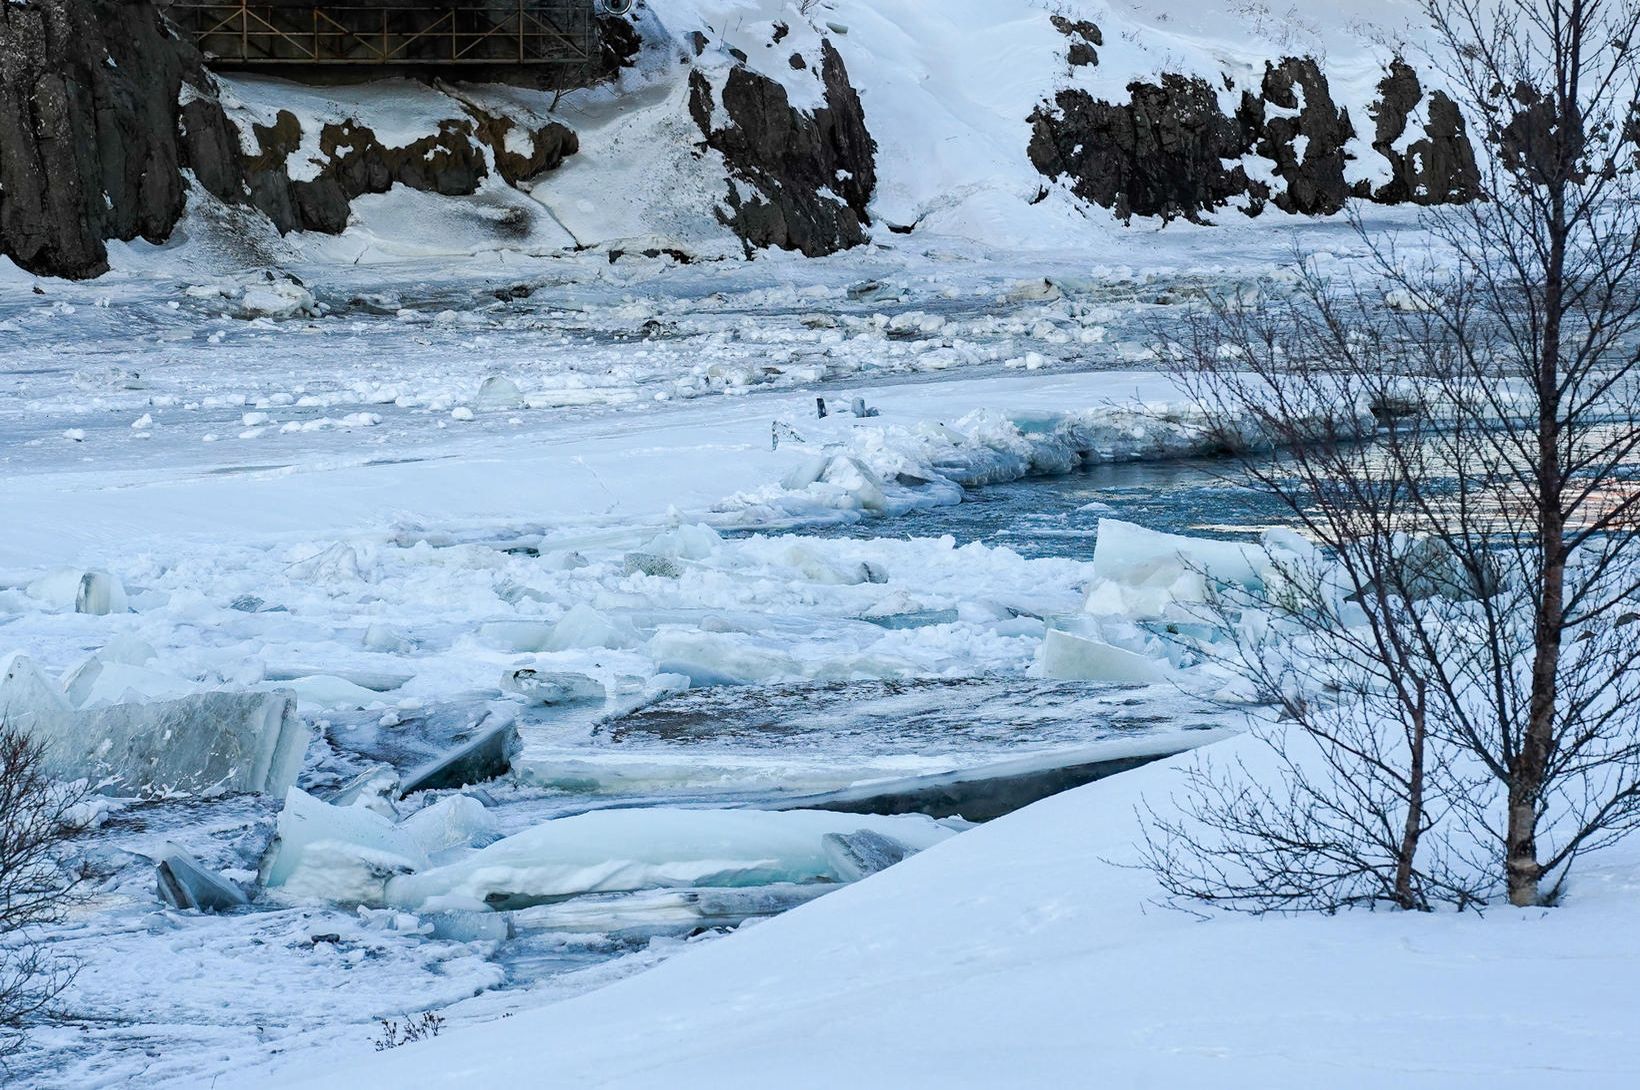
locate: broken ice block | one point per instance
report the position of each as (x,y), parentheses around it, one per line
(470,926)
(714,658)
(583,626)
(499,393)
(97,681)
(652,912)
(449,823)
(692,542)
(374,789)
(1140,573)
(551,687)
(856,855)
(485,756)
(377,681)
(184,883)
(609,850)
(337,853)
(857,479)
(1064,656)
(650,564)
(206,743)
(94,592)
(516,636)
(99,593)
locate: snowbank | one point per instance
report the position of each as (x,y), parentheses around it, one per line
(1026,952)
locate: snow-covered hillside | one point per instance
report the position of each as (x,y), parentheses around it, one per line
(950,94)
(742,124)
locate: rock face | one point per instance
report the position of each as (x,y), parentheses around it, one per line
(450,162)
(102,109)
(88,139)
(1172,151)
(1161,154)
(805,179)
(1440,168)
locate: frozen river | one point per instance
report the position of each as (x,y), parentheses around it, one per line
(292,499)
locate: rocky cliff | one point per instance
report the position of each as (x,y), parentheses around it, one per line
(102,109)
(804,178)
(1174,150)
(89,148)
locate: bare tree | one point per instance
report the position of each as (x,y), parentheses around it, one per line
(1482,519)
(38,881)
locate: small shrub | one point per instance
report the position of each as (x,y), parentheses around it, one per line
(420,1028)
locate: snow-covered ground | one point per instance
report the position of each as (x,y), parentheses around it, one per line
(1031,952)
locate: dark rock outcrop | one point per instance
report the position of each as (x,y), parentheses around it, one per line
(1160,154)
(102,109)
(618,44)
(806,178)
(1440,167)
(1172,151)
(88,137)
(354,162)
(1084,37)
(1304,136)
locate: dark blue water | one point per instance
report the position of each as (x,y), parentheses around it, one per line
(1058,516)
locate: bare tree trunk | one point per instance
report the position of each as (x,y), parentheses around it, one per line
(1413,829)
(1529,769)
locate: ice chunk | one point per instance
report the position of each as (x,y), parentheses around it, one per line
(183,883)
(916,618)
(93,592)
(718,658)
(451,822)
(813,566)
(992,790)
(583,626)
(470,926)
(548,687)
(650,564)
(485,756)
(809,469)
(1065,656)
(321,691)
(1431,568)
(499,393)
(386,639)
(97,681)
(696,542)
(28,702)
(127,651)
(858,480)
(336,564)
(337,853)
(1141,573)
(855,855)
(377,681)
(100,594)
(206,743)
(653,912)
(276,299)
(515,636)
(374,788)
(609,850)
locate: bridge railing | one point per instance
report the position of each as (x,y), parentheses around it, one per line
(242,34)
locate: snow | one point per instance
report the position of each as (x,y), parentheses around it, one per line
(1025,947)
